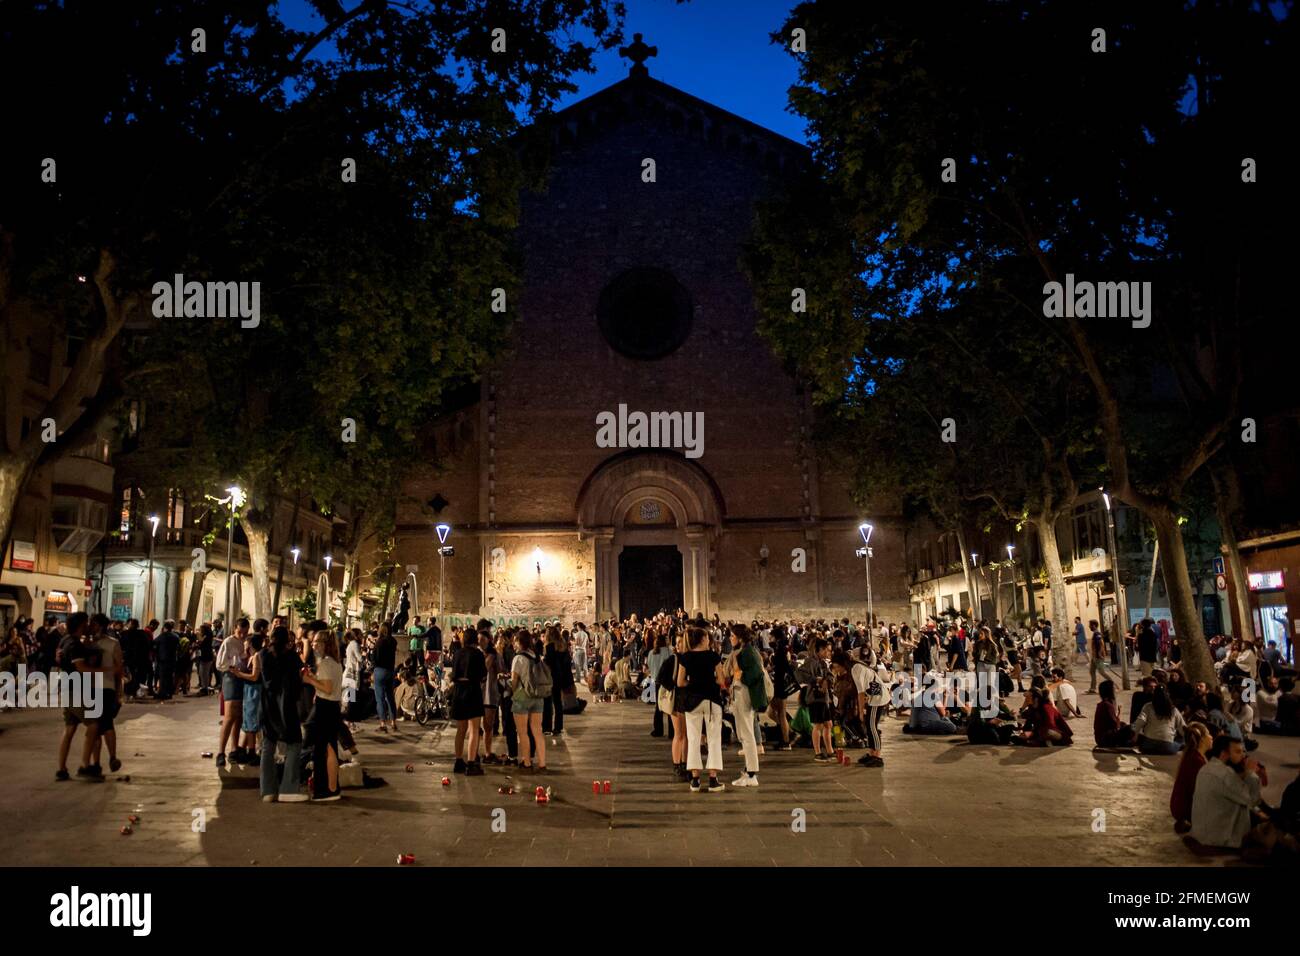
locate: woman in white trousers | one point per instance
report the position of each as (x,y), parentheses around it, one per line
(700,680)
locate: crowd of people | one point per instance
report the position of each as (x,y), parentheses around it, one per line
(291,700)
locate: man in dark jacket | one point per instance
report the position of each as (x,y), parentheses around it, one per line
(281,690)
(1148,646)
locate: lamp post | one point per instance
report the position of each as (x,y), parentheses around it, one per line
(149,589)
(1121,606)
(977,607)
(235,501)
(864,552)
(443,531)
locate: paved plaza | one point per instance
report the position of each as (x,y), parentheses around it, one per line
(938,801)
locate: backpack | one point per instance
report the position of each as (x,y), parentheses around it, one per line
(537,678)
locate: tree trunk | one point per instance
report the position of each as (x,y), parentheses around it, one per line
(1061,639)
(1196,661)
(1031,603)
(997,596)
(1151,581)
(258,532)
(15,471)
(1227,498)
(196,595)
(972,614)
(285,546)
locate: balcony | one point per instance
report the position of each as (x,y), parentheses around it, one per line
(77,476)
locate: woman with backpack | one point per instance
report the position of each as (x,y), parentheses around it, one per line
(700,682)
(748,699)
(816,679)
(530,686)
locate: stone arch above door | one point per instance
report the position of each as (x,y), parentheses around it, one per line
(619,481)
(683,487)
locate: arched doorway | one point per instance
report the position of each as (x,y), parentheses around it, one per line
(639,508)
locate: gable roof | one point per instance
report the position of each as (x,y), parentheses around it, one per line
(642,96)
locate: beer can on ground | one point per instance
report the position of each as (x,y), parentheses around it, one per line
(405,859)
(595,786)
(606,786)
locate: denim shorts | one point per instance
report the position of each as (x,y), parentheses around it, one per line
(526,705)
(232,688)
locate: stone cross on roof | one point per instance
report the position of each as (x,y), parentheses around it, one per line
(638,53)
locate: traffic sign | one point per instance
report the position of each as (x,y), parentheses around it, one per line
(1221,582)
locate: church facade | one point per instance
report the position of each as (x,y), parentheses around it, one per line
(639,447)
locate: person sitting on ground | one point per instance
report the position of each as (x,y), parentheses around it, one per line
(1223,804)
(929,716)
(1045,726)
(1159,727)
(1220,722)
(1180,689)
(408,692)
(1198,739)
(1141,697)
(995,731)
(1286,710)
(1243,715)
(1064,696)
(1107,728)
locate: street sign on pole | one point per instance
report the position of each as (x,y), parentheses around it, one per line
(1218,565)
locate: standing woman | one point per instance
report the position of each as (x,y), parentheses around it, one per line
(281,668)
(323,723)
(527,706)
(677,719)
(384,658)
(468,673)
(505,655)
(251,724)
(784,685)
(561,664)
(491,692)
(352,675)
(748,699)
(700,682)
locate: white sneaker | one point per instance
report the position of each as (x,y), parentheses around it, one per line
(293,798)
(745,780)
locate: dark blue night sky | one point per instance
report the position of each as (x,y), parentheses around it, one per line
(718,50)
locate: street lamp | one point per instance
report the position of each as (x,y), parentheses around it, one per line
(235,500)
(865,530)
(329,559)
(295,552)
(443,531)
(149,590)
(1121,606)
